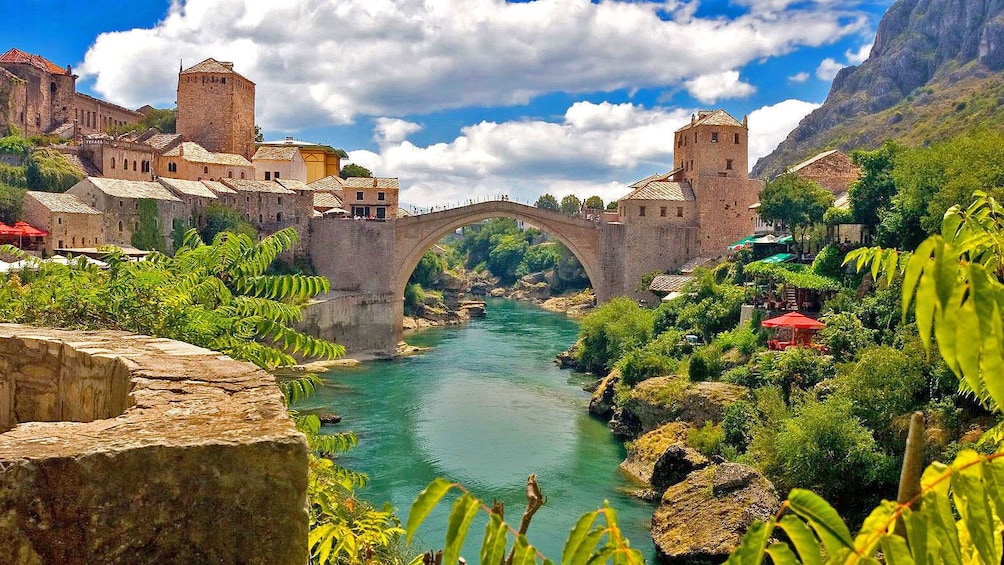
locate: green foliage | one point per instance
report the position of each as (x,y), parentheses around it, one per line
(15,145)
(547,202)
(738,420)
(708,307)
(570,205)
(218,218)
(148,235)
(709,439)
(179,228)
(611,331)
(430,267)
(796,368)
(658,358)
(828,262)
(48,170)
(13,176)
(612,206)
(163,119)
(836,216)
(354,170)
(791,274)
(883,384)
(539,258)
(414,296)
(594,203)
(11,203)
(871,195)
(796,202)
(478,239)
(595,538)
(844,335)
(506,254)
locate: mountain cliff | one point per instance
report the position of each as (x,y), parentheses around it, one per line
(935,70)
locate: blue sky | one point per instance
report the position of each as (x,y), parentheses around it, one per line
(469,98)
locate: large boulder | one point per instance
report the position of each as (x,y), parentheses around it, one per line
(674,464)
(601,404)
(644,452)
(659,400)
(703,518)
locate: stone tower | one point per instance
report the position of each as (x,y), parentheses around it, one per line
(41,96)
(711,154)
(216,108)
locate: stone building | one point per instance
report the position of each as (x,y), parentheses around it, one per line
(119,202)
(119,158)
(216,108)
(298,160)
(711,155)
(270,206)
(193,194)
(71,223)
(659,200)
(832,170)
(373,198)
(38,97)
(189,160)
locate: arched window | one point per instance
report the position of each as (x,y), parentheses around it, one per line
(125,164)
(242,174)
(113,162)
(120,225)
(52,87)
(134,165)
(230,174)
(278,216)
(205,170)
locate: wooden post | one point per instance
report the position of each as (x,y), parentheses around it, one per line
(913,467)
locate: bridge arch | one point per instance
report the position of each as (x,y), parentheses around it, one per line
(414,235)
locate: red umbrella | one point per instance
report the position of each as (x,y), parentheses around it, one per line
(7,230)
(28,230)
(793,320)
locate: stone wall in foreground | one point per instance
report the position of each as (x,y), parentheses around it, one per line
(132,449)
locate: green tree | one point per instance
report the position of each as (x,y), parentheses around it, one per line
(163,119)
(612,206)
(547,202)
(148,235)
(48,170)
(570,205)
(883,384)
(219,218)
(871,195)
(594,203)
(540,257)
(354,170)
(430,267)
(845,335)
(507,252)
(796,202)
(610,332)
(11,202)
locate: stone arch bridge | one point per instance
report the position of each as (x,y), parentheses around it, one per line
(369,262)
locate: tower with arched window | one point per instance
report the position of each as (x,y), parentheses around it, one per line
(216,108)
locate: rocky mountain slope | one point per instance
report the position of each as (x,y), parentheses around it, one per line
(935,70)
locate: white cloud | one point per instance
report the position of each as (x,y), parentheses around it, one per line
(711,88)
(393,130)
(769,125)
(325,62)
(799,77)
(859,56)
(828,68)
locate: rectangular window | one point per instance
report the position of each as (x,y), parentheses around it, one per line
(679,211)
(268,175)
(714,137)
(737,139)
(60,244)
(381,196)
(728,164)
(662,211)
(359,195)
(641,210)
(275,175)
(279,200)
(381,213)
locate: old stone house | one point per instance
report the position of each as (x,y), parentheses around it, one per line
(38,96)
(71,223)
(832,170)
(195,196)
(216,109)
(119,202)
(373,198)
(659,200)
(119,158)
(189,160)
(273,205)
(297,160)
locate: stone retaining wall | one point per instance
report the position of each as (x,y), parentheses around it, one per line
(121,448)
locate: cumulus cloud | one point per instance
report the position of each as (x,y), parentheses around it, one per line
(326,62)
(859,56)
(799,77)
(828,68)
(393,130)
(711,88)
(593,149)
(769,125)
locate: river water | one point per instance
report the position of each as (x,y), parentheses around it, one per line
(485,407)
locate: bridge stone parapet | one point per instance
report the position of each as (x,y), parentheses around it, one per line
(120,448)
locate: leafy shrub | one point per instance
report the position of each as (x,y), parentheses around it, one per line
(428,270)
(48,170)
(658,358)
(883,384)
(611,331)
(828,262)
(743,376)
(11,203)
(714,309)
(13,176)
(844,335)
(738,420)
(796,368)
(414,296)
(539,258)
(709,439)
(16,145)
(218,218)
(701,369)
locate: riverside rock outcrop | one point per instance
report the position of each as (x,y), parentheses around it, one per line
(644,452)
(703,518)
(660,400)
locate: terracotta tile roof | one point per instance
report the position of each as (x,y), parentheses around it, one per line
(18,57)
(328,183)
(132,188)
(270,153)
(353,183)
(211,65)
(326,201)
(62,202)
(195,153)
(668,283)
(658,187)
(713,118)
(187,187)
(245,185)
(293,184)
(812,160)
(218,187)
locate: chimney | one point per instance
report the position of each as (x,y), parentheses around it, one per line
(69,70)
(228,65)
(289,139)
(181,150)
(693,118)
(374,183)
(746,121)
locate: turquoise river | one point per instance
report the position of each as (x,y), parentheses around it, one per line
(485,407)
